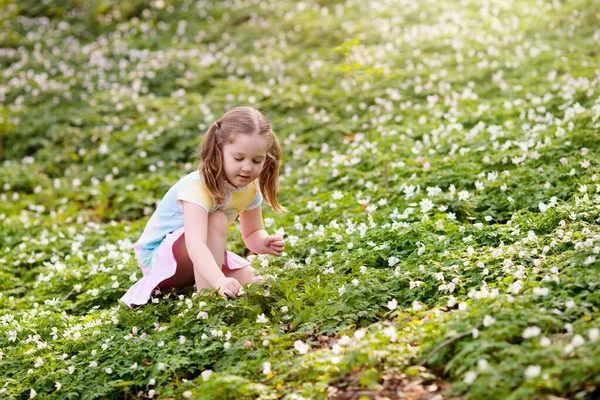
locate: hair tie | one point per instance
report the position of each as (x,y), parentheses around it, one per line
(218,124)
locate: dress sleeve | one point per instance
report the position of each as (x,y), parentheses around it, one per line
(195,192)
(257,199)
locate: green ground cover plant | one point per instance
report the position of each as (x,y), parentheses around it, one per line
(441,175)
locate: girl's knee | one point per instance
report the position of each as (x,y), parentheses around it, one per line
(217,223)
(243,275)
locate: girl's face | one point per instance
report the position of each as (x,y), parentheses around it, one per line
(244,158)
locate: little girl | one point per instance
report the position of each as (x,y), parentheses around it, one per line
(184,240)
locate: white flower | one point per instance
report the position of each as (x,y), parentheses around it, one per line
(530,332)
(363,269)
(182,339)
(202,314)
(58,385)
(470,377)
(93,364)
(393,261)
(463,195)
(540,292)
(532,371)
(284,309)
(301,347)
(359,334)
(160,366)
(488,320)
(426,205)
(134,366)
(187,394)
(262,319)
(392,304)
(344,340)
(577,341)
(335,360)
(206,374)
(266,367)
(32,394)
(417,306)
(482,364)
(594,334)
(391,333)
(451,301)
(108,370)
(342,290)
(545,342)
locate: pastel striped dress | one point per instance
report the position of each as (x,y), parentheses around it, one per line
(153,250)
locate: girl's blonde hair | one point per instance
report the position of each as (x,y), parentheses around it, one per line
(240,120)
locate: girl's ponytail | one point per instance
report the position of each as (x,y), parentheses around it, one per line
(211,163)
(269,176)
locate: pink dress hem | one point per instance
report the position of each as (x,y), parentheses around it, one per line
(163,267)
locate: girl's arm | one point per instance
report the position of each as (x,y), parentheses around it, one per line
(254,234)
(195,222)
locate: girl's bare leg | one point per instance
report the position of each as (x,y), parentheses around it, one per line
(185,275)
(216,237)
(243,275)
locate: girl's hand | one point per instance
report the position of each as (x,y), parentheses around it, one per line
(228,286)
(274,245)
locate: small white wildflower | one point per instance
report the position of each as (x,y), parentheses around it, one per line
(488,320)
(482,364)
(532,371)
(470,377)
(359,334)
(393,261)
(392,304)
(577,341)
(262,319)
(301,347)
(531,331)
(202,314)
(266,367)
(206,374)
(451,301)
